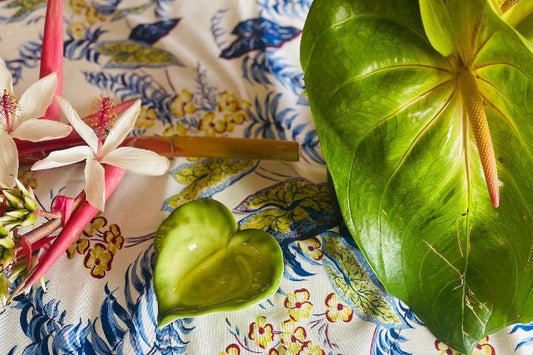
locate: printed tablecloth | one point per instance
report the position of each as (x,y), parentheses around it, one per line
(202,68)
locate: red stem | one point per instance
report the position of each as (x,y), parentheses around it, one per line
(72,230)
(52,52)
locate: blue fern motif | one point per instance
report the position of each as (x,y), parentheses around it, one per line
(388,342)
(217,30)
(126,329)
(265,64)
(293,8)
(152,32)
(206,93)
(258,34)
(83,48)
(311,147)
(267,121)
(44,324)
(127,86)
(526,328)
(29,57)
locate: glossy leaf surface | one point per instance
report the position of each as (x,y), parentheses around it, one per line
(405,164)
(204,263)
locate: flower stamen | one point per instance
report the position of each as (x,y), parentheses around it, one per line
(102,120)
(9,104)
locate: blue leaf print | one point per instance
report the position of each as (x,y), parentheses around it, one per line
(267,119)
(127,86)
(111,313)
(29,57)
(526,328)
(152,32)
(160,9)
(294,8)
(105,7)
(83,48)
(311,147)
(292,209)
(267,63)
(72,338)
(258,34)
(292,265)
(388,342)
(217,30)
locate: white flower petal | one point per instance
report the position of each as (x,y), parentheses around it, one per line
(6,82)
(123,126)
(95,184)
(36,130)
(140,161)
(85,132)
(63,157)
(36,99)
(9,160)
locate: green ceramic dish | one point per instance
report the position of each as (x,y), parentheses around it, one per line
(204,263)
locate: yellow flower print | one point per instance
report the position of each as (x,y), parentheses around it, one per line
(298,304)
(98,260)
(311,349)
(337,310)
(311,247)
(179,130)
(262,332)
(81,7)
(77,6)
(113,238)
(183,104)
(227,102)
(76,29)
(293,338)
(146,119)
(96,224)
(212,126)
(80,246)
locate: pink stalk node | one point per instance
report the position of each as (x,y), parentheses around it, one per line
(26,251)
(64,205)
(52,52)
(81,218)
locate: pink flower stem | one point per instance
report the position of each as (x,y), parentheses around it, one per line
(52,52)
(73,228)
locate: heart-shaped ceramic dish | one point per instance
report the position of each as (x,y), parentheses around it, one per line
(204,263)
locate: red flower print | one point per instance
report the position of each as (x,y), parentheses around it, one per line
(337,310)
(298,304)
(293,338)
(232,349)
(311,247)
(98,260)
(262,332)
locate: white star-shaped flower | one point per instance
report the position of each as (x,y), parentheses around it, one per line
(19,119)
(99,151)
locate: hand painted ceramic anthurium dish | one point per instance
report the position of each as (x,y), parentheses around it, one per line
(204,263)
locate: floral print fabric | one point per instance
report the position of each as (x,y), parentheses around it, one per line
(217,69)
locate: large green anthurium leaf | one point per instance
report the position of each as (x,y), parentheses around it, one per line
(400,143)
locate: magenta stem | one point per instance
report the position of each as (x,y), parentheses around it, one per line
(52,52)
